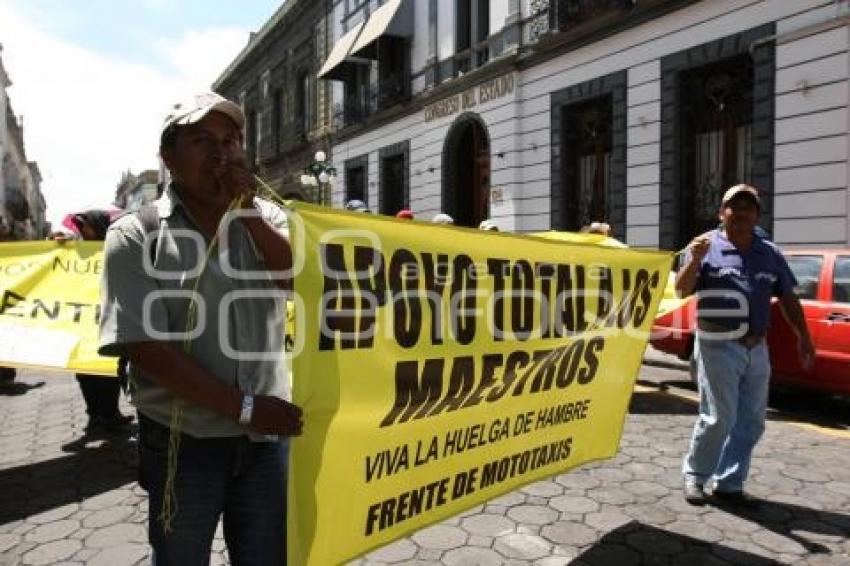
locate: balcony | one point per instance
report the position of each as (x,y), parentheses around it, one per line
(472,58)
(368,100)
(580,17)
(393,89)
(567,14)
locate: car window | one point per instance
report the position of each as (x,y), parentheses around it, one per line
(841,279)
(806,268)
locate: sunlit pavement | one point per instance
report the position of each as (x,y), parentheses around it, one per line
(72,502)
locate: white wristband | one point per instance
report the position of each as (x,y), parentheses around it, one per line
(247,410)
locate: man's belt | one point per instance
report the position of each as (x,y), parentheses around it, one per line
(748,340)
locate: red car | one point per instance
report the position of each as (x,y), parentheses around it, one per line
(824,291)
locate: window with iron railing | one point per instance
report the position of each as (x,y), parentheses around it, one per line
(251,136)
(277,119)
(716,105)
(362,97)
(304,104)
(472,30)
(558,16)
(588,146)
(16,203)
(363,100)
(357,98)
(394,89)
(393,71)
(480,32)
(566,14)
(463,25)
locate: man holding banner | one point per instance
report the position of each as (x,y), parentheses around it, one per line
(449,366)
(100,393)
(191,292)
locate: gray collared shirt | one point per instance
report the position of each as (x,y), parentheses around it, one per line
(238,333)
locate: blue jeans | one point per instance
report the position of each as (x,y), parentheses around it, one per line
(733,387)
(242,480)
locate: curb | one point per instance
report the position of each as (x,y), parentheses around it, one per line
(666,364)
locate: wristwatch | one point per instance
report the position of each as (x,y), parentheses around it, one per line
(247,410)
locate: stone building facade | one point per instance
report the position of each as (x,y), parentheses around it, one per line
(22,205)
(549,114)
(288,110)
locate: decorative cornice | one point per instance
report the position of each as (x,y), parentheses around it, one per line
(420,101)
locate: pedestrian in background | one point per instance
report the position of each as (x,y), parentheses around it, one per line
(488,225)
(100,393)
(598,228)
(734,269)
(7,374)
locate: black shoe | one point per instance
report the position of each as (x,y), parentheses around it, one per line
(694,493)
(94,426)
(736,499)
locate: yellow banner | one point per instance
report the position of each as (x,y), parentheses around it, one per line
(439,367)
(50,306)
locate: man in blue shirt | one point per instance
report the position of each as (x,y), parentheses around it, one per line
(735,272)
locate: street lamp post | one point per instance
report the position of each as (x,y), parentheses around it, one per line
(319,174)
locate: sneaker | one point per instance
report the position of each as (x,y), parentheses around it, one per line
(736,499)
(694,493)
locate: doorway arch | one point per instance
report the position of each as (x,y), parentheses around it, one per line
(466,171)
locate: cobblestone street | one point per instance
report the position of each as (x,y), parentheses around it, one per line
(63,502)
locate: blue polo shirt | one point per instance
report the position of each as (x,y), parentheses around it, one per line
(729,278)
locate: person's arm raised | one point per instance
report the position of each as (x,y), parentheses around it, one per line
(686,278)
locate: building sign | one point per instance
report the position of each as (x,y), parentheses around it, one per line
(497,196)
(479,94)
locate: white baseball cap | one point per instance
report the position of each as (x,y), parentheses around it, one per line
(443,218)
(741,190)
(193,110)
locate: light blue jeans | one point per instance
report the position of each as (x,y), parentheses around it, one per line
(733,387)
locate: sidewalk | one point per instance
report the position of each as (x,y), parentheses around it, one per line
(84,507)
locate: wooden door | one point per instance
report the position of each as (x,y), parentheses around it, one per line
(481,176)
